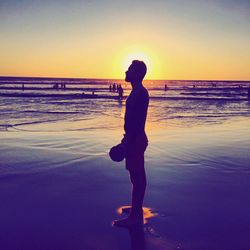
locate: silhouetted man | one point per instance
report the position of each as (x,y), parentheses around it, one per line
(135,140)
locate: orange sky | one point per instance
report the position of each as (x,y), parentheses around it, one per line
(198,40)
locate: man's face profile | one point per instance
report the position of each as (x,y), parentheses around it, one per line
(129,74)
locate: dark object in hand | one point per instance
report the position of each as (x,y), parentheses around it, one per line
(117,153)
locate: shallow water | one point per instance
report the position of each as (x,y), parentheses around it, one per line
(17,111)
(61,189)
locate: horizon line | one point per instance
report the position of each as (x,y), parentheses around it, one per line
(120,79)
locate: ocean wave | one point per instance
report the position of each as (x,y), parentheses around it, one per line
(67,96)
(198,98)
(219,97)
(54,112)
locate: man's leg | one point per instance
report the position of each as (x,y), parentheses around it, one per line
(139,183)
(136,168)
(138,180)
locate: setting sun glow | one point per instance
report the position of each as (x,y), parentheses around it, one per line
(136,56)
(125,56)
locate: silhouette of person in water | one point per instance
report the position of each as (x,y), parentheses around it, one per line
(120,91)
(114,87)
(135,141)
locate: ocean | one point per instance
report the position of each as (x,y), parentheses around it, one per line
(183,103)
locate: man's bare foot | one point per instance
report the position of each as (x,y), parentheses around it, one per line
(128,222)
(126,210)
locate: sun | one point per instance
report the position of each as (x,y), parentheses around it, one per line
(123,59)
(142,56)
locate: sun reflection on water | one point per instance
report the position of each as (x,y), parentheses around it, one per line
(147,212)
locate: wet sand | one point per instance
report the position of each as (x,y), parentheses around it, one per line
(59,189)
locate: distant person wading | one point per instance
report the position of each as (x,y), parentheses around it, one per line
(135,141)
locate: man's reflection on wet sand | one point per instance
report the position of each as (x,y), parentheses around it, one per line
(136,232)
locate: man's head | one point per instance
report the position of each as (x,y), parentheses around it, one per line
(136,72)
